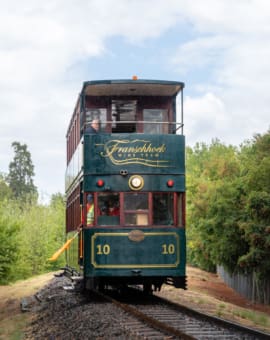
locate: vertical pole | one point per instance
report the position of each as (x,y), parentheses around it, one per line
(81,245)
(182,111)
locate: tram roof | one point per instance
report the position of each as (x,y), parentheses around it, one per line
(131,87)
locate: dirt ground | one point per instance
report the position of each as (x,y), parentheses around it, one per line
(206,292)
(213,285)
(12,319)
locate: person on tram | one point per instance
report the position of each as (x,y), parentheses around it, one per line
(94,126)
(90,210)
(114,209)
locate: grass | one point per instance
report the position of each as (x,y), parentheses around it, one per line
(260,319)
(256,317)
(200,301)
(12,328)
(12,321)
(221,309)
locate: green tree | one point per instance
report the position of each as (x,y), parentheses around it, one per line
(21,173)
(9,229)
(5,191)
(41,234)
(213,201)
(228,206)
(255,158)
(57,200)
(257,233)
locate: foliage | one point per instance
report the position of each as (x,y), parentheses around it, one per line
(29,232)
(5,191)
(42,234)
(209,204)
(228,206)
(57,201)
(21,173)
(257,234)
(29,235)
(8,246)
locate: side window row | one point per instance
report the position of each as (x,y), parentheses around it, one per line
(135,208)
(123,119)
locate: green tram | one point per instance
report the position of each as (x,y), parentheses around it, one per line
(125,185)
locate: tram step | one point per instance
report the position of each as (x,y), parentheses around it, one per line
(76,278)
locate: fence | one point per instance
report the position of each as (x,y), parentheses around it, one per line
(247,285)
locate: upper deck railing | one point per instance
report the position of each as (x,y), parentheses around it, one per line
(146,127)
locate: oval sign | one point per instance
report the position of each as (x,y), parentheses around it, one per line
(136,235)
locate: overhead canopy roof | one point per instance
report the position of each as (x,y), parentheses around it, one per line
(130,87)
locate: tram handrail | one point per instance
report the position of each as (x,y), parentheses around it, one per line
(179,125)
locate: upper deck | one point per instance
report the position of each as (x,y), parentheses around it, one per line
(118,104)
(125,106)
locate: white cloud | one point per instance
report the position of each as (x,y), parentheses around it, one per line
(234,17)
(200,53)
(225,51)
(229,52)
(39,43)
(205,118)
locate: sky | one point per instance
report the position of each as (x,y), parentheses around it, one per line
(220,49)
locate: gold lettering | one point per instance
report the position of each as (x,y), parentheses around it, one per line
(134,152)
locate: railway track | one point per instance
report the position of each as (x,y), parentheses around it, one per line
(158,318)
(68,314)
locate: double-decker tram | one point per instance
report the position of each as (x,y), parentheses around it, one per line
(125,185)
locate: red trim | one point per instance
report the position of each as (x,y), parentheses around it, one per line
(184,209)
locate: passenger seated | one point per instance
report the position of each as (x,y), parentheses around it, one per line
(93,127)
(114,209)
(104,209)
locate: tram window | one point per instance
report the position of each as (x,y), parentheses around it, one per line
(136,209)
(108,209)
(163,209)
(157,119)
(124,115)
(100,114)
(137,218)
(135,201)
